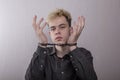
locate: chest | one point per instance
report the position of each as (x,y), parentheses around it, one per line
(61,68)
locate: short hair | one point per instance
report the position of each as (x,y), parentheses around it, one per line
(60,13)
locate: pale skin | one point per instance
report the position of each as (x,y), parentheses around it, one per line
(59,28)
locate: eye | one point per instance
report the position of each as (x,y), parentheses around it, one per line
(52,28)
(62,27)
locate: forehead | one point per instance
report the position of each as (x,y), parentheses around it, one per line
(57,21)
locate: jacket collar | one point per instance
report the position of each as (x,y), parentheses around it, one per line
(53,51)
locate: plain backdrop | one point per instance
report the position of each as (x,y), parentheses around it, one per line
(101,34)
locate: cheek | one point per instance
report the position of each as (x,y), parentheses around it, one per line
(66,34)
(51,36)
(70,30)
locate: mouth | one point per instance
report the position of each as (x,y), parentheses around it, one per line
(58,38)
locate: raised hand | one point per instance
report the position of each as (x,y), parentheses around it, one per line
(39,30)
(77,29)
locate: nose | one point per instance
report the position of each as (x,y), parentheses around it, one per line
(57,31)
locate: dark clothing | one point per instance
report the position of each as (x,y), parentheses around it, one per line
(76,65)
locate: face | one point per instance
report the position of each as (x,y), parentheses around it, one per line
(59,30)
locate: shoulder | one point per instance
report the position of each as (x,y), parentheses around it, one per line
(83,51)
(41,50)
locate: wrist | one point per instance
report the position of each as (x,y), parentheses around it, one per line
(44,45)
(73,47)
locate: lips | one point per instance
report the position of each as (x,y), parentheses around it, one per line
(58,38)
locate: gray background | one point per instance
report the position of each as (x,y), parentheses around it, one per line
(101,34)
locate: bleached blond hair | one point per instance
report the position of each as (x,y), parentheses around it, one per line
(59,13)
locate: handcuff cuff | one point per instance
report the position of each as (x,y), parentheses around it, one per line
(67,44)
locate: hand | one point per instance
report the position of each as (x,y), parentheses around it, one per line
(77,29)
(39,30)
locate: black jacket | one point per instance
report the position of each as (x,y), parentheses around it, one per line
(76,65)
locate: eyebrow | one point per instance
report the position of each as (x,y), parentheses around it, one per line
(62,24)
(58,25)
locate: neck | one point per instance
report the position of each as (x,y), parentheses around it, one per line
(62,50)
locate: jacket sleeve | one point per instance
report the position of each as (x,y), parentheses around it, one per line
(82,62)
(36,68)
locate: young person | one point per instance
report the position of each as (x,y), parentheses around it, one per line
(63,61)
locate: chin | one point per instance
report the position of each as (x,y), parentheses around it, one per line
(60,42)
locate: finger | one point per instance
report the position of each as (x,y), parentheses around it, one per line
(34,22)
(39,22)
(77,23)
(75,27)
(44,25)
(34,19)
(83,21)
(80,23)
